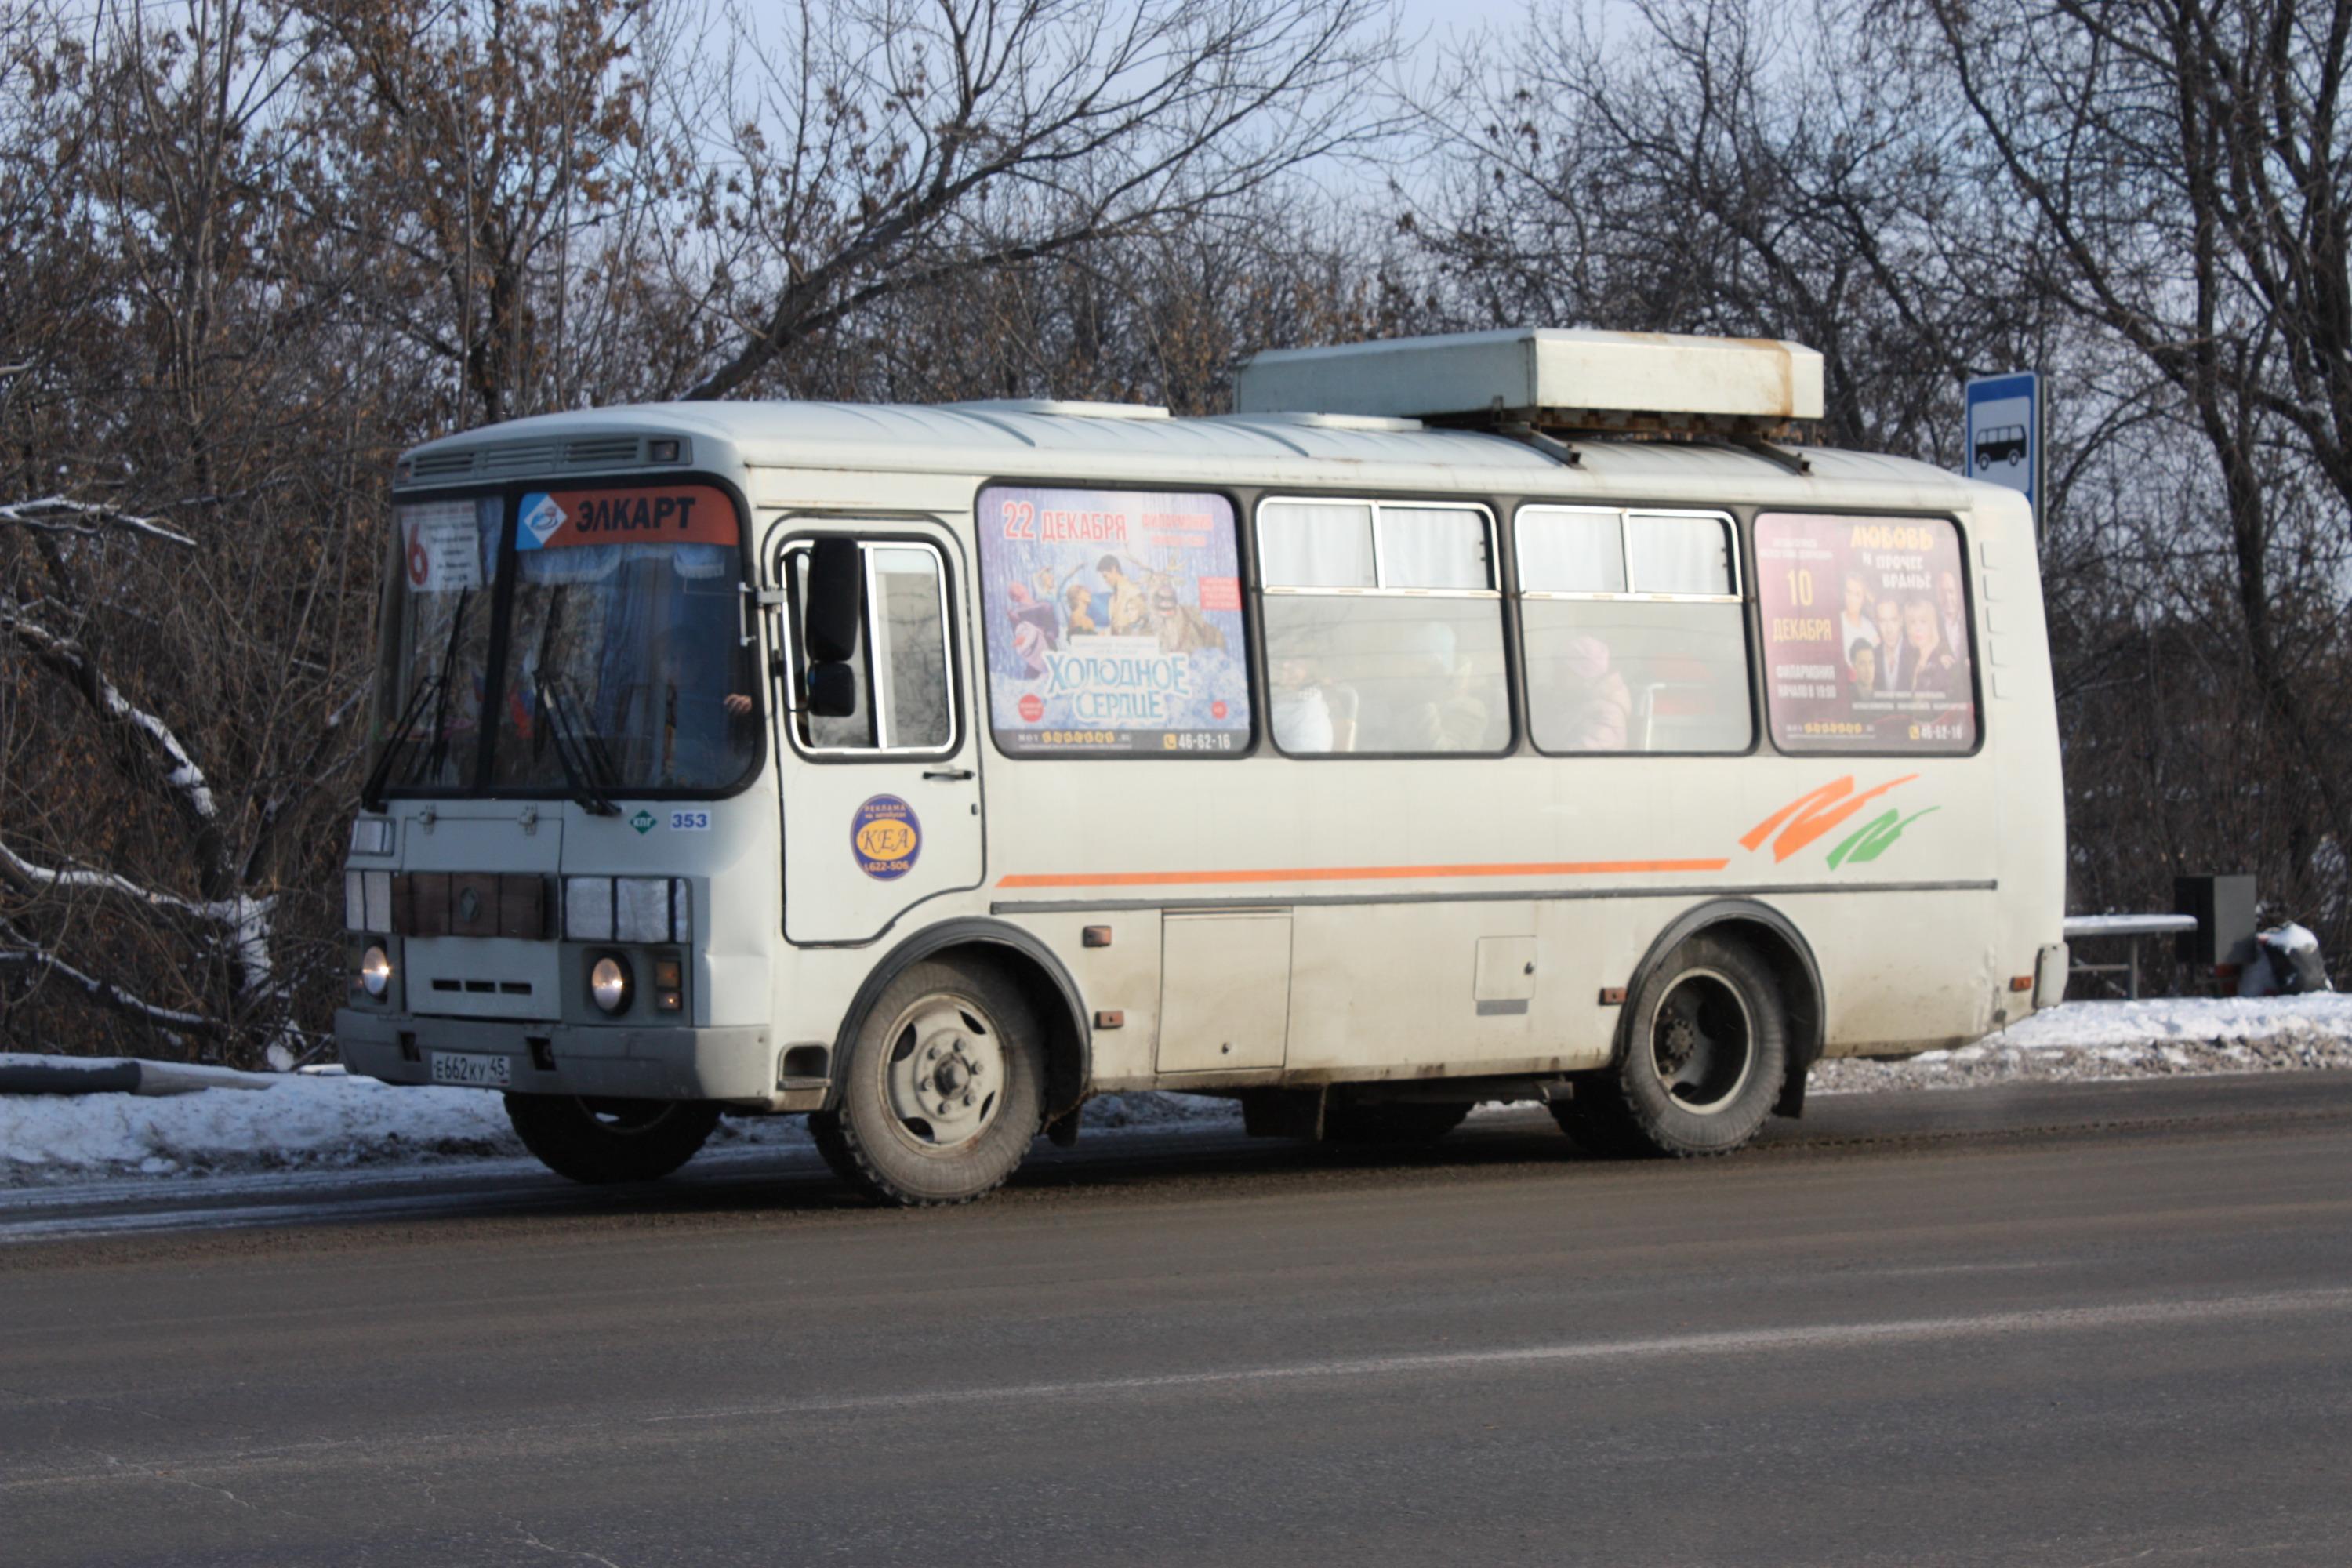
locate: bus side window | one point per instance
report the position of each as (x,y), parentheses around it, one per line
(910,707)
(1383,628)
(1636,638)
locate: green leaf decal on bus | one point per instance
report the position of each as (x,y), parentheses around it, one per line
(1870,840)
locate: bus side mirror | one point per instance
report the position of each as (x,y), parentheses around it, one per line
(836,595)
(832,689)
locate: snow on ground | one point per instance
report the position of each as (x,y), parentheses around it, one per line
(327,1121)
(2158,1038)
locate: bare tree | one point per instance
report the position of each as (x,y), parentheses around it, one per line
(184,586)
(483,181)
(891,146)
(1160,318)
(2183,162)
(1722,166)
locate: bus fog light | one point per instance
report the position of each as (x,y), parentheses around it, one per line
(669,985)
(608,983)
(375,972)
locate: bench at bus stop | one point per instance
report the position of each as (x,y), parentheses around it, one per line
(2127,928)
(2209,915)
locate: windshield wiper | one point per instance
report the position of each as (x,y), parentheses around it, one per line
(571,748)
(433,688)
(372,792)
(573,751)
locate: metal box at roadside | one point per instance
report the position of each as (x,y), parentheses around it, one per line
(2224,907)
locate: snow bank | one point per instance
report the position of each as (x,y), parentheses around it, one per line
(2213,1020)
(326,1121)
(304,1119)
(2156,1038)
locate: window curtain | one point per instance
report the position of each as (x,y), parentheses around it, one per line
(1564,552)
(1432,549)
(1306,545)
(1679,554)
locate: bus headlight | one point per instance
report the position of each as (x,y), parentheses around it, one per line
(608,983)
(375,972)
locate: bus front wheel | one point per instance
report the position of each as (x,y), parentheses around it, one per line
(603,1140)
(942,1091)
(1707,1050)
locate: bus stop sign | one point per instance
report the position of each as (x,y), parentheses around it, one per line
(2004,433)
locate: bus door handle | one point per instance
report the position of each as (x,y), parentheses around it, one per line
(948,775)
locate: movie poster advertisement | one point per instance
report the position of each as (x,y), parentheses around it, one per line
(1113,622)
(1866,642)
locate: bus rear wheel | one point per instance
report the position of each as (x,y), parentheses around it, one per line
(942,1091)
(1707,1050)
(604,1141)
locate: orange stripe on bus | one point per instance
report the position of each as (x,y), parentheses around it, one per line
(1354,873)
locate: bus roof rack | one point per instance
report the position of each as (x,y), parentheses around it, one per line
(1549,379)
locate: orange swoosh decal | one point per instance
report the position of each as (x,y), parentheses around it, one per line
(1813,814)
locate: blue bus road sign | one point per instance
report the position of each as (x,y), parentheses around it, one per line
(2004,433)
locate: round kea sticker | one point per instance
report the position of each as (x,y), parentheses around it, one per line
(884,838)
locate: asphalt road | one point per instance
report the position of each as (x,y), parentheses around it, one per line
(2057,1325)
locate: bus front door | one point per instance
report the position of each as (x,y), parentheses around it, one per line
(881,792)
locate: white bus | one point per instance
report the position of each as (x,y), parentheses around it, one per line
(1504,717)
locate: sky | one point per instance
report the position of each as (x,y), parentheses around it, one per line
(1440,17)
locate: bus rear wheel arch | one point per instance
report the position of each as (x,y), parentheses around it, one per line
(1704,1057)
(1777,943)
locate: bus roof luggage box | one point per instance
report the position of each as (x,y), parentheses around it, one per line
(1546,376)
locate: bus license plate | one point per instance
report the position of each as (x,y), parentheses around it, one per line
(479,1072)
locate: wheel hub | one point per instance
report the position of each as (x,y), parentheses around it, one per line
(1702,1042)
(945,1074)
(1678,1038)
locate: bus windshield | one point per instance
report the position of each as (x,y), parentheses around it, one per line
(436,656)
(622,671)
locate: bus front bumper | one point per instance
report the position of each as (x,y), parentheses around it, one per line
(735,1066)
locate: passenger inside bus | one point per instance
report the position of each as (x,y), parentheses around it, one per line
(1304,711)
(1439,701)
(1584,703)
(1385,676)
(1616,677)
